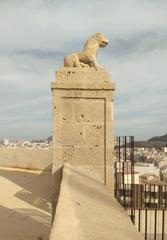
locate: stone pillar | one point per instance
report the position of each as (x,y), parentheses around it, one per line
(83,121)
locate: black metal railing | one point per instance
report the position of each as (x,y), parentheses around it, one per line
(124,166)
(142,196)
(151,223)
(145,204)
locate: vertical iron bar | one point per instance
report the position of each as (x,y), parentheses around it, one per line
(136,196)
(119,149)
(132,166)
(144,196)
(154,196)
(132,157)
(141,193)
(139,221)
(116,187)
(155,225)
(149,195)
(125,148)
(145,224)
(126,170)
(123,183)
(133,210)
(163,223)
(159,196)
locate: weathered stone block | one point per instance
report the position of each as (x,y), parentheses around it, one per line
(67,153)
(94,134)
(72,134)
(91,156)
(67,109)
(89,110)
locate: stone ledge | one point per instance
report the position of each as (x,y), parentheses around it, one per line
(82,78)
(86,211)
(86,86)
(89,72)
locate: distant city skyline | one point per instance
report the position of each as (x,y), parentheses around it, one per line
(35,37)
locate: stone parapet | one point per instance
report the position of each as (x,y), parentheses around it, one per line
(34,159)
(86,211)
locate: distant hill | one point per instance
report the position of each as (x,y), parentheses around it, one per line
(157,142)
(159,139)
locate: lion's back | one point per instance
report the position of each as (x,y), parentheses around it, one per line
(69,60)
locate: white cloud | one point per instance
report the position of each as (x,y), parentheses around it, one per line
(35,35)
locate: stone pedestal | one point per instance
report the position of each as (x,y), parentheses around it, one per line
(83,121)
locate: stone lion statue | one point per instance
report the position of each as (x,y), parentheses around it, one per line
(87,57)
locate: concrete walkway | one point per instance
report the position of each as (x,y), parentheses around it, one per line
(25,209)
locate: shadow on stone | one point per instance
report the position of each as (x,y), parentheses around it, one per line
(27,224)
(56,185)
(36,188)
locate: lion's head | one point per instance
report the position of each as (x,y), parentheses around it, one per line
(101,39)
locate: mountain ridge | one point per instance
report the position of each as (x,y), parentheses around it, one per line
(162,138)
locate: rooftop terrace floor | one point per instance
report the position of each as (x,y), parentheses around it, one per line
(25,208)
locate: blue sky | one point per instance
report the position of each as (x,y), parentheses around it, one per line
(35,36)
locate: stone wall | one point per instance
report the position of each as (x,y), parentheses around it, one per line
(39,159)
